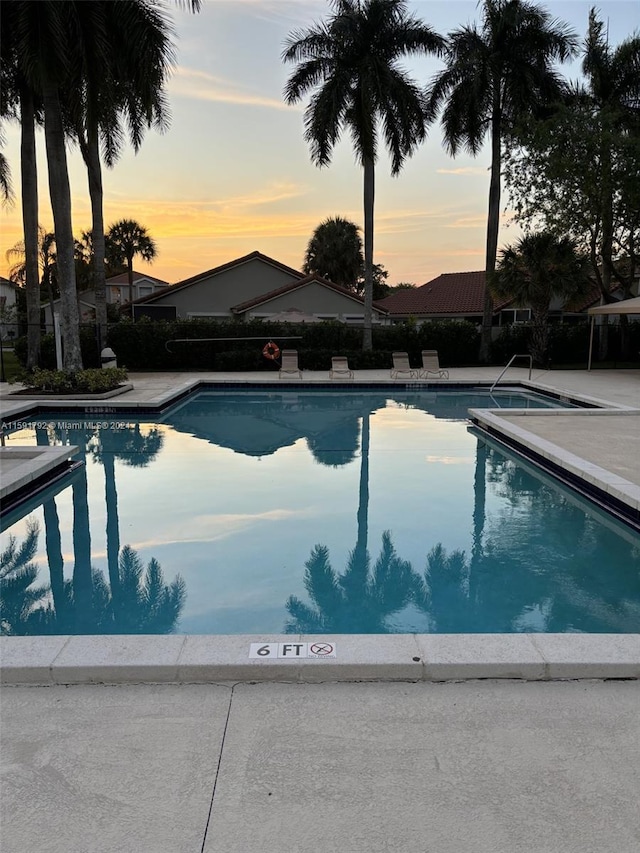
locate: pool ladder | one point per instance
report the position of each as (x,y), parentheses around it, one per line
(513,358)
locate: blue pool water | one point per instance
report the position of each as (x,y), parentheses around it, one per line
(309,511)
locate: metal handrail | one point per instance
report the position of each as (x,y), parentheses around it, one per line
(513,358)
(200,340)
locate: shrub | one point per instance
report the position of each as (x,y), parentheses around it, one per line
(88,348)
(91,381)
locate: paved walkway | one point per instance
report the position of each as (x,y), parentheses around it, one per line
(478,767)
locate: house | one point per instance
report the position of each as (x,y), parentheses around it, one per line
(117,293)
(460,296)
(450,296)
(255,286)
(8,309)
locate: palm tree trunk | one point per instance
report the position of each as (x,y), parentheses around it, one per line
(60,194)
(369,193)
(493,224)
(94,172)
(540,334)
(29,183)
(130,274)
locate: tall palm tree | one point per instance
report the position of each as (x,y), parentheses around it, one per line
(43,40)
(335,252)
(19,100)
(126,239)
(495,75)
(537,269)
(126,83)
(350,63)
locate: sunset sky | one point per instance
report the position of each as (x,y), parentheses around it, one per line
(233,173)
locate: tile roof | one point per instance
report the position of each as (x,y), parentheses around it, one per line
(294,285)
(222,268)
(449,293)
(123,278)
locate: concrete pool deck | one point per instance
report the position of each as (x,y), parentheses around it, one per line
(538,765)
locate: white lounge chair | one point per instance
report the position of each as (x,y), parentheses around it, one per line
(431,364)
(340,367)
(401,365)
(289,363)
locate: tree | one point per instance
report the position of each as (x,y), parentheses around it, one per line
(494,76)
(124,81)
(350,63)
(335,252)
(126,239)
(47,270)
(578,172)
(537,269)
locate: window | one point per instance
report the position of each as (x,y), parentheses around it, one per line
(144,289)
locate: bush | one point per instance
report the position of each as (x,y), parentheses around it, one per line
(143,345)
(88,348)
(91,381)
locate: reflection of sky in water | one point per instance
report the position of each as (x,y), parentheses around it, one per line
(239,526)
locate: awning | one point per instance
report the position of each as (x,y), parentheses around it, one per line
(624,306)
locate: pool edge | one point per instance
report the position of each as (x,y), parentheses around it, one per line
(197,659)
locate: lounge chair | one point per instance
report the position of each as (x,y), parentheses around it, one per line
(340,367)
(430,364)
(401,365)
(289,363)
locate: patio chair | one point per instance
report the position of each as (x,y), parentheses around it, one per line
(340,367)
(430,364)
(401,365)
(289,363)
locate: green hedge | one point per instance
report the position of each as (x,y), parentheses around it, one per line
(88,346)
(142,345)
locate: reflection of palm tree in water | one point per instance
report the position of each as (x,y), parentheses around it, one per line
(17,573)
(136,450)
(147,605)
(360,600)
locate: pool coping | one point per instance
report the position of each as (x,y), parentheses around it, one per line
(197,659)
(129,659)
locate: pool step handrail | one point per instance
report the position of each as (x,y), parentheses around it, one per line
(511,360)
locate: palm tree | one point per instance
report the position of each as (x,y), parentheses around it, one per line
(126,239)
(537,269)
(494,76)
(125,81)
(19,99)
(335,252)
(47,270)
(351,64)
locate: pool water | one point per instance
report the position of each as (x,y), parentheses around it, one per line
(309,511)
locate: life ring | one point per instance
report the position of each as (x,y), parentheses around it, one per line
(271,351)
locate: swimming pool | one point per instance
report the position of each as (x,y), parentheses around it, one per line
(254,511)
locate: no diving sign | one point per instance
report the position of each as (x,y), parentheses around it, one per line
(293,651)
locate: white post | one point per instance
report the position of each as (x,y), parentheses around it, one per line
(58,339)
(591,341)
